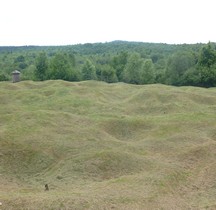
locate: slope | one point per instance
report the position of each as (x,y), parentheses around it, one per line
(106,146)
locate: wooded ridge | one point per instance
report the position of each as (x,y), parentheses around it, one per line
(117,61)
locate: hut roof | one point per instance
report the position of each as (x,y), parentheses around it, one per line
(16,72)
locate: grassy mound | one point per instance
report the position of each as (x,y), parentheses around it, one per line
(107,146)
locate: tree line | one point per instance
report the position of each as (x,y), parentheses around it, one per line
(129,62)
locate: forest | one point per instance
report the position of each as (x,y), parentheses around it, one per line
(118,61)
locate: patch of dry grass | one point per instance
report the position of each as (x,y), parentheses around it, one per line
(106,146)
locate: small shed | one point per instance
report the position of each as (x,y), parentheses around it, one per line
(15,76)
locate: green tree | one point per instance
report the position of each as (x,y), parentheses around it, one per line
(207,56)
(207,66)
(207,76)
(133,69)
(41,67)
(60,67)
(72,59)
(148,74)
(89,71)
(29,73)
(19,62)
(192,77)
(108,74)
(118,63)
(19,59)
(177,65)
(4,77)
(74,74)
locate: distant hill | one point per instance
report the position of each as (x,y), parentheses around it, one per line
(108,47)
(106,146)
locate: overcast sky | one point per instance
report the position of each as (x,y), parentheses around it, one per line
(65,22)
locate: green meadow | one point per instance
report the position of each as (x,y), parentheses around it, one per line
(106,146)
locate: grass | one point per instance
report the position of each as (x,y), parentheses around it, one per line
(106,146)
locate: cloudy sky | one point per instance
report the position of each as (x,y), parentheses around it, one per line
(63,22)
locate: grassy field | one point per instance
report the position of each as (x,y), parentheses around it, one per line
(107,146)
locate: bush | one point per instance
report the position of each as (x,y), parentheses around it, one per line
(4,77)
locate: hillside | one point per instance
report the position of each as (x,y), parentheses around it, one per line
(107,146)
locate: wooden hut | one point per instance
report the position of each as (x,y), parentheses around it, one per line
(15,76)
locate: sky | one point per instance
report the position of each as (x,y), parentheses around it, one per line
(66,22)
